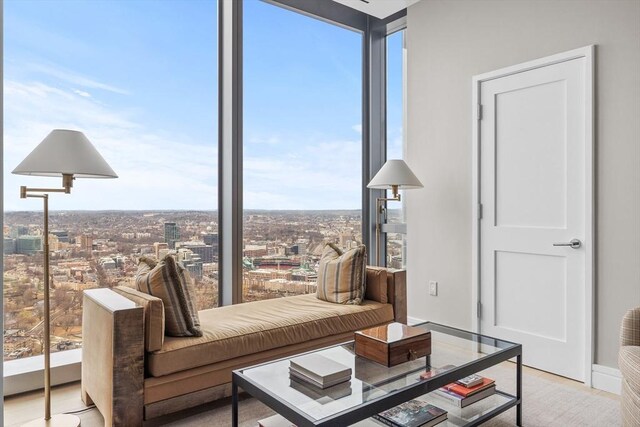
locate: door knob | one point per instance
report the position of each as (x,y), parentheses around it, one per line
(574,244)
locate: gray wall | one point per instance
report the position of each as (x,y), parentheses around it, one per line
(449,41)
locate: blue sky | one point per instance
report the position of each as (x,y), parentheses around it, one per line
(140,79)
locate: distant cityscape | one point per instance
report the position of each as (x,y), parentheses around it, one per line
(90,249)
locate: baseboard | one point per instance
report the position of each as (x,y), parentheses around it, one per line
(414,320)
(606,379)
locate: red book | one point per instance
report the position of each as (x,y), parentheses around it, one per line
(466,392)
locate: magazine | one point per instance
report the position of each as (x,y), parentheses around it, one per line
(413,413)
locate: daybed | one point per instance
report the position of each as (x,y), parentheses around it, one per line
(133,372)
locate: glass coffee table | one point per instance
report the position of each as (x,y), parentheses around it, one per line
(375,388)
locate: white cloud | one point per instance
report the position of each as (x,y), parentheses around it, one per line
(73,78)
(270,140)
(155,171)
(357,128)
(164,171)
(82,93)
(326,175)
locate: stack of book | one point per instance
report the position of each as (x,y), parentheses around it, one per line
(322,396)
(414,413)
(466,391)
(318,371)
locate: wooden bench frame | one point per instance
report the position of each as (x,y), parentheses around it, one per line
(113,370)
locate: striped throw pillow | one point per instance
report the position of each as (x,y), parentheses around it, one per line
(169,281)
(341,276)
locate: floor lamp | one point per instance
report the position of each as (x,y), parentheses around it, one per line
(69,154)
(394,175)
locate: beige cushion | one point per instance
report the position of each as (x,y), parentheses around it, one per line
(153,316)
(376,284)
(341,275)
(242,329)
(170,281)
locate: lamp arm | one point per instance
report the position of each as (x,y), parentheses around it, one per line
(24,191)
(380,208)
(67,183)
(380,200)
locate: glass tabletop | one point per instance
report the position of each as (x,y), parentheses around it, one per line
(450,348)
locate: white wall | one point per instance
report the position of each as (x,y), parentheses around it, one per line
(449,41)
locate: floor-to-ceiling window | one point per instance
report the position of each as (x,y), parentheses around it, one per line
(302,151)
(139,78)
(396,242)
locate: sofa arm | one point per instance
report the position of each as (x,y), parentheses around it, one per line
(113,357)
(630,330)
(397,293)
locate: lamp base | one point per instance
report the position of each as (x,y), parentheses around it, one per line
(59,420)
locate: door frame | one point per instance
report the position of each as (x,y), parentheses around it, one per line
(588,53)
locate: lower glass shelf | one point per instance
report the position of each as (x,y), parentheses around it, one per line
(491,405)
(457,417)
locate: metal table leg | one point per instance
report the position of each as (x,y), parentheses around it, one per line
(234,403)
(519,390)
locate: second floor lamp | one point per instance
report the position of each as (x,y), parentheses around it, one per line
(394,175)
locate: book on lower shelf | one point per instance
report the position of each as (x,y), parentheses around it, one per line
(460,416)
(465,391)
(461,401)
(318,370)
(414,413)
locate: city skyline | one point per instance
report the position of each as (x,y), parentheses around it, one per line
(160,134)
(281,251)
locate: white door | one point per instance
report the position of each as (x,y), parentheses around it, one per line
(533,137)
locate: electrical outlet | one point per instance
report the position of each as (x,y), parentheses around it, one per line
(433,288)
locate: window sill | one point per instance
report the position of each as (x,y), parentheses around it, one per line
(27,374)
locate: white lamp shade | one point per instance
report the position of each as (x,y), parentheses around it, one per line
(395,172)
(65,152)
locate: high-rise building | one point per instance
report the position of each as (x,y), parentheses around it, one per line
(86,242)
(171,234)
(159,247)
(19,230)
(62,235)
(54,242)
(9,246)
(28,245)
(207,252)
(191,261)
(210,239)
(302,247)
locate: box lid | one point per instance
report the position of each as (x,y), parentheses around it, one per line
(393,332)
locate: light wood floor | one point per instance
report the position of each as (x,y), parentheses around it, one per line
(25,407)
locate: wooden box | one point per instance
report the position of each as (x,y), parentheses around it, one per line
(393,344)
